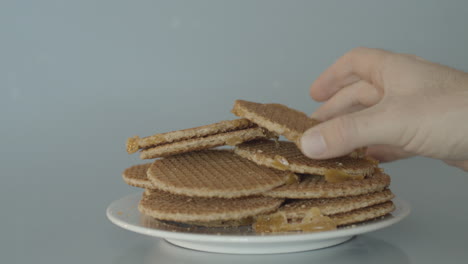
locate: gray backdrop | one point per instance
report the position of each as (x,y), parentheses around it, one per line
(79,77)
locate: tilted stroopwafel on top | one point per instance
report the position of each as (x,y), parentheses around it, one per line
(280,120)
(193,185)
(277,118)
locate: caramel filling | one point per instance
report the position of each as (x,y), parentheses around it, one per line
(280,163)
(292,178)
(372,160)
(313,221)
(335,176)
(271,135)
(270,223)
(358,153)
(132,144)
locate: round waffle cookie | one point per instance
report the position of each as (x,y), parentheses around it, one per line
(166,206)
(229,132)
(285,155)
(136,176)
(227,138)
(329,206)
(276,118)
(213,173)
(363,214)
(315,186)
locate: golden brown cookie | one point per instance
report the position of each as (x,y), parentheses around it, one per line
(329,206)
(315,186)
(284,155)
(277,118)
(229,132)
(166,206)
(363,214)
(213,173)
(315,221)
(136,176)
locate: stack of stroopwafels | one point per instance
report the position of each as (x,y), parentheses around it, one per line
(266,183)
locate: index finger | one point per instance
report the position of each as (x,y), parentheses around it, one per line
(358,64)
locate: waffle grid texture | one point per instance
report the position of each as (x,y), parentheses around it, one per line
(166,206)
(267,153)
(200,143)
(277,118)
(213,173)
(315,186)
(330,206)
(136,176)
(363,214)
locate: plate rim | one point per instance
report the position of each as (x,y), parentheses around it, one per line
(403,209)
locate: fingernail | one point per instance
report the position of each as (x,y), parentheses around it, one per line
(313,144)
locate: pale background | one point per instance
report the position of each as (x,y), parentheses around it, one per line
(79,77)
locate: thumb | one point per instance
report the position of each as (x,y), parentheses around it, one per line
(342,135)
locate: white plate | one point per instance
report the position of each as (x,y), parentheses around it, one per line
(124,213)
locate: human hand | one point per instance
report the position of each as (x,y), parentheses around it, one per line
(396,104)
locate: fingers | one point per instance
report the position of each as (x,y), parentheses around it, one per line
(352,98)
(386,153)
(357,64)
(340,136)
